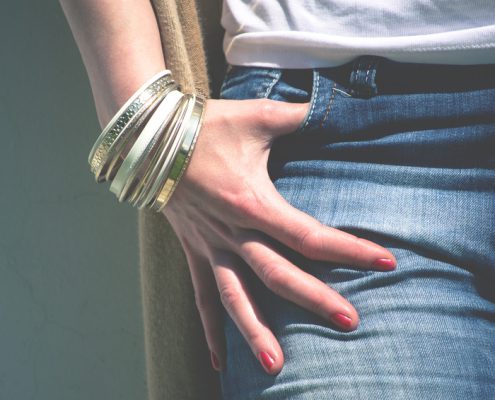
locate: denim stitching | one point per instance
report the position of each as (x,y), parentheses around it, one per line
(366,80)
(375,89)
(343,92)
(314,98)
(367,89)
(327,112)
(362,77)
(271,85)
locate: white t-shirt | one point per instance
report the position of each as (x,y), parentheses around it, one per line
(324,33)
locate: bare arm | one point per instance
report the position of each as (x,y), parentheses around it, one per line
(120,46)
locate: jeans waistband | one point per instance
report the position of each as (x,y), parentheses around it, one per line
(369,75)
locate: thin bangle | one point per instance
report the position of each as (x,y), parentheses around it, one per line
(169,148)
(185,152)
(133,184)
(146,140)
(144,190)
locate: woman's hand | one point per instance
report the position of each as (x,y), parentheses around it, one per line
(224,208)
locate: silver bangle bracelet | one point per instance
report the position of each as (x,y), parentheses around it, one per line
(146,147)
(146,140)
(113,130)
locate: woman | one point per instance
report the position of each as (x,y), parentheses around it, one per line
(395,152)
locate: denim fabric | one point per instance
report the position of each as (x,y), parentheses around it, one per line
(398,158)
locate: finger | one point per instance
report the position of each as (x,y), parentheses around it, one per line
(316,241)
(290,282)
(245,314)
(209,307)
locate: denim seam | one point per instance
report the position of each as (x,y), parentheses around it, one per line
(327,111)
(313,100)
(271,85)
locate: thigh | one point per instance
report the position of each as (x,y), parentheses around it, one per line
(414,172)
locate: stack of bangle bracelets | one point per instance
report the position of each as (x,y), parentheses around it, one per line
(145,148)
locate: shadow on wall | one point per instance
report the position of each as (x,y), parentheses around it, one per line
(70,311)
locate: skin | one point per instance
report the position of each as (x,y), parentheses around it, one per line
(225,207)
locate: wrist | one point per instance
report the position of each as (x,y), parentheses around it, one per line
(111,92)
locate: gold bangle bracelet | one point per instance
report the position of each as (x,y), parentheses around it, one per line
(98,154)
(182,159)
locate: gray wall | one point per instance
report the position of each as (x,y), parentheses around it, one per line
(70,311)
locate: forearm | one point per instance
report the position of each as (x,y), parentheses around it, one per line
(120,46)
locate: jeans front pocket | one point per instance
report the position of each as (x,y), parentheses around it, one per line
(313,87)
(295,86)
(244,82)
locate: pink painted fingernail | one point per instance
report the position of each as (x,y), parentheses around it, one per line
(214,361)
(266,360)
(385,263)
(341,320)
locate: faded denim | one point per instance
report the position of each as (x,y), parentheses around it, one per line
(403,155)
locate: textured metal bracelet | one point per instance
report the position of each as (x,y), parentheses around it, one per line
(119,148)
(98,154)
(145,148)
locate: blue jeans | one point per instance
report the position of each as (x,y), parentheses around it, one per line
(403,155)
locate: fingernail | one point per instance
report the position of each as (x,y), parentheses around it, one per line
(341,320)
(266,360)
(385,263)
(214,361)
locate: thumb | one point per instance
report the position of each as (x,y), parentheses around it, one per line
(281,118)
